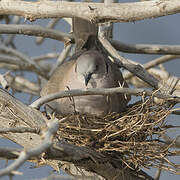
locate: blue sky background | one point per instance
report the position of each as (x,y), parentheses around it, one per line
(163,30)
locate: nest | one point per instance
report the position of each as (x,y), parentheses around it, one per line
(132,136)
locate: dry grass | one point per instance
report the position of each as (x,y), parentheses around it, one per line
(132,136)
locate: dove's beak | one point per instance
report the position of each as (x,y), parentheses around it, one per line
(87,77)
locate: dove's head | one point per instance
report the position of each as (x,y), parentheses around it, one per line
(90,65)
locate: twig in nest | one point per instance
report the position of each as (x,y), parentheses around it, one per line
(131,137)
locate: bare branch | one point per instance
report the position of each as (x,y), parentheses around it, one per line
(98,12)
(21,84)
(9,66)
(100,91)
(15,114)
(34,152)
(146,48)
(34,30)
(6,58)
(12,62)
(154,63)
(162,75)
(46,56)
(176,112)
(9,40)
(19,130)
(50,25)
(3,81)
(173,142)
(136,69)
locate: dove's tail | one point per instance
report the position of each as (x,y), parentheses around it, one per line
(84,32)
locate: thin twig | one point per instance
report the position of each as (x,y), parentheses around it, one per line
(37,30)
(50,25)
(21,84)
(45,56)
(146,48)
(34,30)
(154,63)
(101,91)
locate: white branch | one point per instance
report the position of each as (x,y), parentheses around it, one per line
(98,12)
(34,30)
(19,130)
(146,48)
(153,63)
(100,91)
(136,69)
(26,154)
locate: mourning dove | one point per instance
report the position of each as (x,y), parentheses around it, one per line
(89,69)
